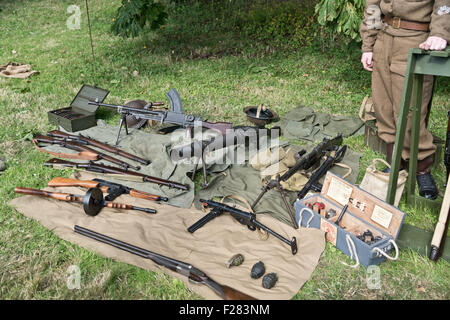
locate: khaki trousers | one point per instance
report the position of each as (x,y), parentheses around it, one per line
(390,55)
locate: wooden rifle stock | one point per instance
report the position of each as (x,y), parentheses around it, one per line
(67,182)
(233,294)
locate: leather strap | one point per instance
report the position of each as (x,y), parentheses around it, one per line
(398,23)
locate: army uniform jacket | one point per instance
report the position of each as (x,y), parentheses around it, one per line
(434,12)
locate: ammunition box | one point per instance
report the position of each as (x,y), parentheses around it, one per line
(365,212)
(79,115)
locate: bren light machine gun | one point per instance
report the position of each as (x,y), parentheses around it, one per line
(245,218)
(304,163)
(174,116)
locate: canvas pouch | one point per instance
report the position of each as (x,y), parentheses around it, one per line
(376,182)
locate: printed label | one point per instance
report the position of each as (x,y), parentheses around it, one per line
(381,216)
(339,191)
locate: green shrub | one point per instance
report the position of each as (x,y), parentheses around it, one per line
(341,16)
(280,23)
(134,15)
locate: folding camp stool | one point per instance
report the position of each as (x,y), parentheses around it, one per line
(420,63)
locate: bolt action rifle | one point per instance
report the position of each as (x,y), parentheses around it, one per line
(245,218)
(85,153)
(195,275)
(116,172)
(80,139)
(174,116)
(112,189)
(304,163)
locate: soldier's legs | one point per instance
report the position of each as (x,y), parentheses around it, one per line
(400,50)
(390,58)
(382,88)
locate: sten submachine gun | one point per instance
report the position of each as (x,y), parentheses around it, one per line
(245,218)
(174,116)
(304,163)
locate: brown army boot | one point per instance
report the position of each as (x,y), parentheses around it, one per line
(425,181)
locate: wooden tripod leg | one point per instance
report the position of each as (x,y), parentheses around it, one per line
(440,229)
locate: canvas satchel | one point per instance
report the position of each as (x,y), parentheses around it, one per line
(367,110)
(376,182)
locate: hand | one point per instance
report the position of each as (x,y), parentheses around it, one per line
(367,60)
(433,43)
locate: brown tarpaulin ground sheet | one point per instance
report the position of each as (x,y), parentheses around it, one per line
(208,248)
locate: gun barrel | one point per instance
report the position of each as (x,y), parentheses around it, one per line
(178,266)
(119,108)
(100,168)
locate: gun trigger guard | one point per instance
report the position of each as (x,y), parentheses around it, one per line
(191,280)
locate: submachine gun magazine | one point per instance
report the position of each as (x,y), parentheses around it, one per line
(243,217)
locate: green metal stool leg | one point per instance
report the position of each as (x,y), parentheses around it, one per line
(415,133)
(401,129)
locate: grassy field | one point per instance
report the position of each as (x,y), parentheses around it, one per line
(217,73)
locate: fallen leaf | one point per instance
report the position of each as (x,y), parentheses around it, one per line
(420,288)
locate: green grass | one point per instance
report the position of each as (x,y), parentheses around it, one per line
(217,73)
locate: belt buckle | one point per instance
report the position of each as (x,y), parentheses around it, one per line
(396,21)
